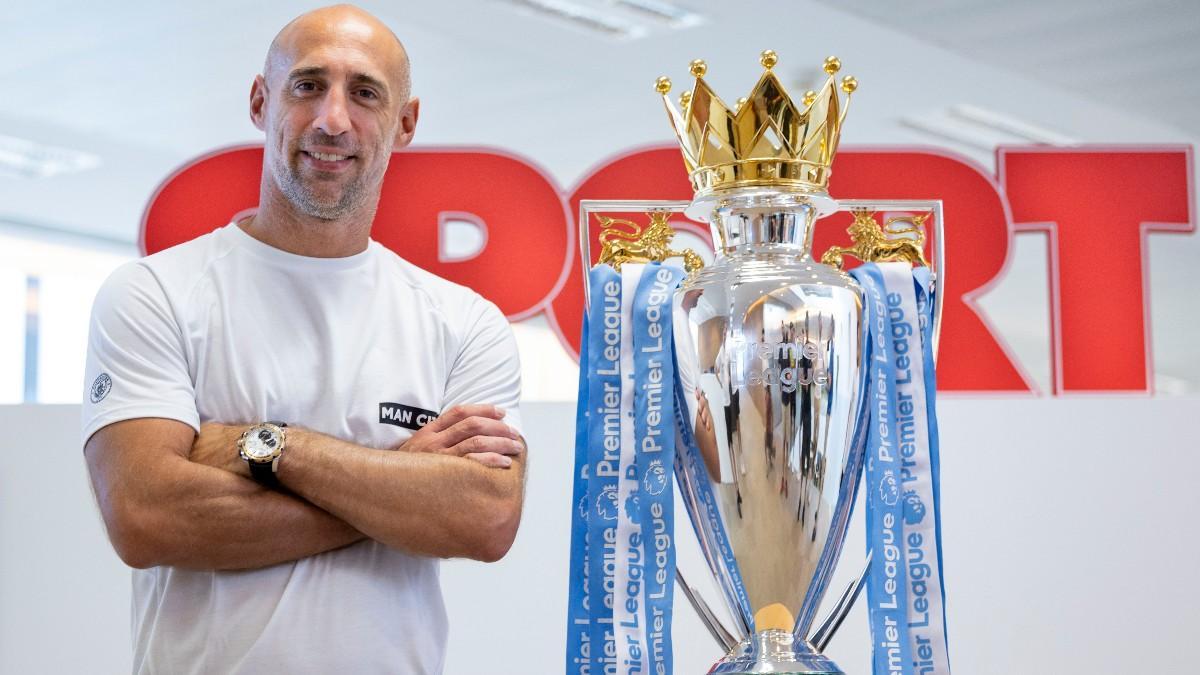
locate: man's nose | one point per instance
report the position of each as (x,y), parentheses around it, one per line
(333,118)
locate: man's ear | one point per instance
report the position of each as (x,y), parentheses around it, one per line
(258,102)
(408,123)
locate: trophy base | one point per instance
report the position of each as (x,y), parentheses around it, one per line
(774,651)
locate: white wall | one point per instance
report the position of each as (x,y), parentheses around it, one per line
(1068,528)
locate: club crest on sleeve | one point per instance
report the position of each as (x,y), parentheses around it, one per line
(100,388)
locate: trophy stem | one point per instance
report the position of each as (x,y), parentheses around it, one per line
(774,651)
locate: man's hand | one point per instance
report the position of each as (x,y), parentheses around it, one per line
(216,446)
(471,431)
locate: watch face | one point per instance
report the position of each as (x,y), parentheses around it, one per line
(260,443)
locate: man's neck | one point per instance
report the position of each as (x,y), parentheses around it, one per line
(278,225)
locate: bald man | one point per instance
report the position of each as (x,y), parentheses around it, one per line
(287,425)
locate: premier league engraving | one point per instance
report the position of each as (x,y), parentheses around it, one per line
(786,380)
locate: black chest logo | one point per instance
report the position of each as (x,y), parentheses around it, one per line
(406,416)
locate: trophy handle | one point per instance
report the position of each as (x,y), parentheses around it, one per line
(710,621)
(824,633)
(650,206)
(882,244)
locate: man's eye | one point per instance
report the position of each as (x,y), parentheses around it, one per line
(305,86)
(367,93)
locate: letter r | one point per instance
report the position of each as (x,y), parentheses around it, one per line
(1097,228)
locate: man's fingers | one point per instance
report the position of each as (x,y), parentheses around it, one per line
(490,459)
(461,412)
(476,426)
(486,444)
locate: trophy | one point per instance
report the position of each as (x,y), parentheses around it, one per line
(770,346)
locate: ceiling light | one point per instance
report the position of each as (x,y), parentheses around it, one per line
(1009,125)
(676,16)
(23,158)
(584,16)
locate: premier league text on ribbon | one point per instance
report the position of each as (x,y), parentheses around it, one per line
(885,589)
(655,437)
(905,590)
(906,303)
(622,530)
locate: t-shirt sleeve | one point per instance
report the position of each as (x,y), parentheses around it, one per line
(136,365)
(487,368)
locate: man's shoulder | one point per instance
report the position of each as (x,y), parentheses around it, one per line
(157,274)
(192,256)
(175,269)
(454,301)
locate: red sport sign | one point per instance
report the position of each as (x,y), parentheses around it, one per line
(1097,204)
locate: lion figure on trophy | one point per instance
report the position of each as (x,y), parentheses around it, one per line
(875,243)
(633,244)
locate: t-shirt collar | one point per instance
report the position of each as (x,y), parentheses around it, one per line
(270,253)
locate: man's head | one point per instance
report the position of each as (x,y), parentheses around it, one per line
(334,101)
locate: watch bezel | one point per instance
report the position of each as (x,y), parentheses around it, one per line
(275,430)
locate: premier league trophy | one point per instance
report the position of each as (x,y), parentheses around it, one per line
(773,401)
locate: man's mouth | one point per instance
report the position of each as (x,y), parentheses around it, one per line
(327,161)
(327,157)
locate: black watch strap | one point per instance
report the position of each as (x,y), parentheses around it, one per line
(264,473)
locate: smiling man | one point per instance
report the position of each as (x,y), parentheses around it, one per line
(287,425)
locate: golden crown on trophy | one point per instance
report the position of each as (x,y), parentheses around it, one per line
(766,139)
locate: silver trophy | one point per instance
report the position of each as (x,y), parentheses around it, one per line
(770,346)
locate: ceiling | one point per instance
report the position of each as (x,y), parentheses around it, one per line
(1142,55)
(134,89)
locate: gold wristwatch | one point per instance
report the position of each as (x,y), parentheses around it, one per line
(261,446)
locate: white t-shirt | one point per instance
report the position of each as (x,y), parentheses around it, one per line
(228,329)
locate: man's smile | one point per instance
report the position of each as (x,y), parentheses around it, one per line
(327,161)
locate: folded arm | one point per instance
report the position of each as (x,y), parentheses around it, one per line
(162,509)
(453,490)
(426,504)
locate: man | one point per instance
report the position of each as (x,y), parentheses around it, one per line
(261,423)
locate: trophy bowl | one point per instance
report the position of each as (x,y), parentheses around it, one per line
(770,347)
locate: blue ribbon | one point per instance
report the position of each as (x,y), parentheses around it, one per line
(646,596)
(578,600)
(603,440)
(926,296)
(887,583)
(654,409)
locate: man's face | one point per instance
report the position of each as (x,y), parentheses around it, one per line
(334,107)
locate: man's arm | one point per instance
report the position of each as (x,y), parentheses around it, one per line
(453,490)
(429,502)
(161,509)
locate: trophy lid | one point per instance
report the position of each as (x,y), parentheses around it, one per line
(766,143)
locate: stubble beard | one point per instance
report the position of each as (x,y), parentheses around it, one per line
(301,195)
